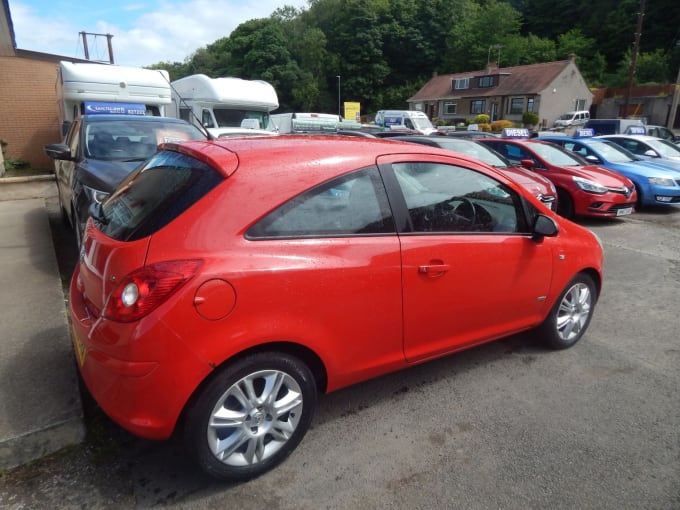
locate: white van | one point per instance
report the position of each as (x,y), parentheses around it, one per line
(575,118)
(404,119)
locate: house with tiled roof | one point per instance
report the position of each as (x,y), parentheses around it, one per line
(549,89)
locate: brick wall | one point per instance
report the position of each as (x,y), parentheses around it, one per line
(28,111)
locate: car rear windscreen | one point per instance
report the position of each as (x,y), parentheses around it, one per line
(154,195)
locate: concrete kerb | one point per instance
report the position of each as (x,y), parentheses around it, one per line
(42,411)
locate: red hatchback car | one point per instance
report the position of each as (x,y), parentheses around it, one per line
(225,284)
(583,189)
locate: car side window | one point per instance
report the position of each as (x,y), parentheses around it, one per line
(448,199)
(633,146)
(73,138)
(351,205)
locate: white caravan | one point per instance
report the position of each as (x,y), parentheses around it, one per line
(89,87)
(224,106)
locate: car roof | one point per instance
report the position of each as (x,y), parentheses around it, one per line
(317,153)
(634,137)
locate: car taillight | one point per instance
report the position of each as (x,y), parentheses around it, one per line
(143,290)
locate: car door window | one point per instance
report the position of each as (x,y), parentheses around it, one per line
(350,205)
(445,198)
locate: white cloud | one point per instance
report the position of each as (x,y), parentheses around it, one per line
(171,33)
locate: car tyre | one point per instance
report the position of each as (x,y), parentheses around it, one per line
(570,316)
(565,205)
(250,415)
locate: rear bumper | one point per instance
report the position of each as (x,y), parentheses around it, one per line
(141,374)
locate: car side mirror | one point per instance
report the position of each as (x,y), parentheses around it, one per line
(58,151)
(651,153)
(528,163)
(544,226)
(593,159)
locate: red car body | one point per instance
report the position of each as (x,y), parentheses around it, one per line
(210,286)
(583,189)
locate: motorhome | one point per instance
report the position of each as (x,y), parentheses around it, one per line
(223,106)
(405,119)
(103,88)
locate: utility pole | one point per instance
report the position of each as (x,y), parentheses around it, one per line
(633,59)
(674,104)
(108,44)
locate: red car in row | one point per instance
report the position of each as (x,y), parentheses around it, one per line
(583,189)
(225,284)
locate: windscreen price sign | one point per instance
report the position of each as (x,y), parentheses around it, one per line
(96,108)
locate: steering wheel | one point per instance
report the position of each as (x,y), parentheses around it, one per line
(466,210)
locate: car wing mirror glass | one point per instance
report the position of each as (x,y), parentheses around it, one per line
(651,153)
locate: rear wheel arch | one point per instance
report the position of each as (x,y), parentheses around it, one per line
(238,424)
(304,354)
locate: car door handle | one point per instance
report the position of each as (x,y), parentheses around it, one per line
(433,270)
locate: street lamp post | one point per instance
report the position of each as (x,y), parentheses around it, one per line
(339,109)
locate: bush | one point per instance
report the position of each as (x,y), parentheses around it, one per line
(530,118)
(482,118)
(499,125)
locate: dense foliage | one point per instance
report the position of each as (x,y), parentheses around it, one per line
(380,52)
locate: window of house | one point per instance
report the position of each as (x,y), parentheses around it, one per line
(450,108)
(477,106)
(517,105)
(461,83)
(531,104)
(486,81)
(580,104)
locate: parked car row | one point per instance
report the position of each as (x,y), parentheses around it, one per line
(224,285)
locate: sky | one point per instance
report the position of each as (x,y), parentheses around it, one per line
(144,32)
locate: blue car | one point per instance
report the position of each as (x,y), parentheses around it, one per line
(657,183)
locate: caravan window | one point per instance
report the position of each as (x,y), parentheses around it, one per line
(206,119)
(231,117)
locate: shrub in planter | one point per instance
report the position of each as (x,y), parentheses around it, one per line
(530,118)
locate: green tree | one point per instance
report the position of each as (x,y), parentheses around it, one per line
(653,67)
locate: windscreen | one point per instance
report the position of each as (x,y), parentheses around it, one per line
(154,195)
(120,140)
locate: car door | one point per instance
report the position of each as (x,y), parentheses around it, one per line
(470,270)
(65,170)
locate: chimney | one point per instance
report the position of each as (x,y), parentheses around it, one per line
(572,57)
(491,67)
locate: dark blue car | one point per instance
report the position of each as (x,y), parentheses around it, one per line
(657,183)
(99,151)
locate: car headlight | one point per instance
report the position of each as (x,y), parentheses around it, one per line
(589,186)
(95,195)
(661,181)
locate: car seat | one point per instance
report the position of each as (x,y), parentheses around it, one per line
(101,145)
